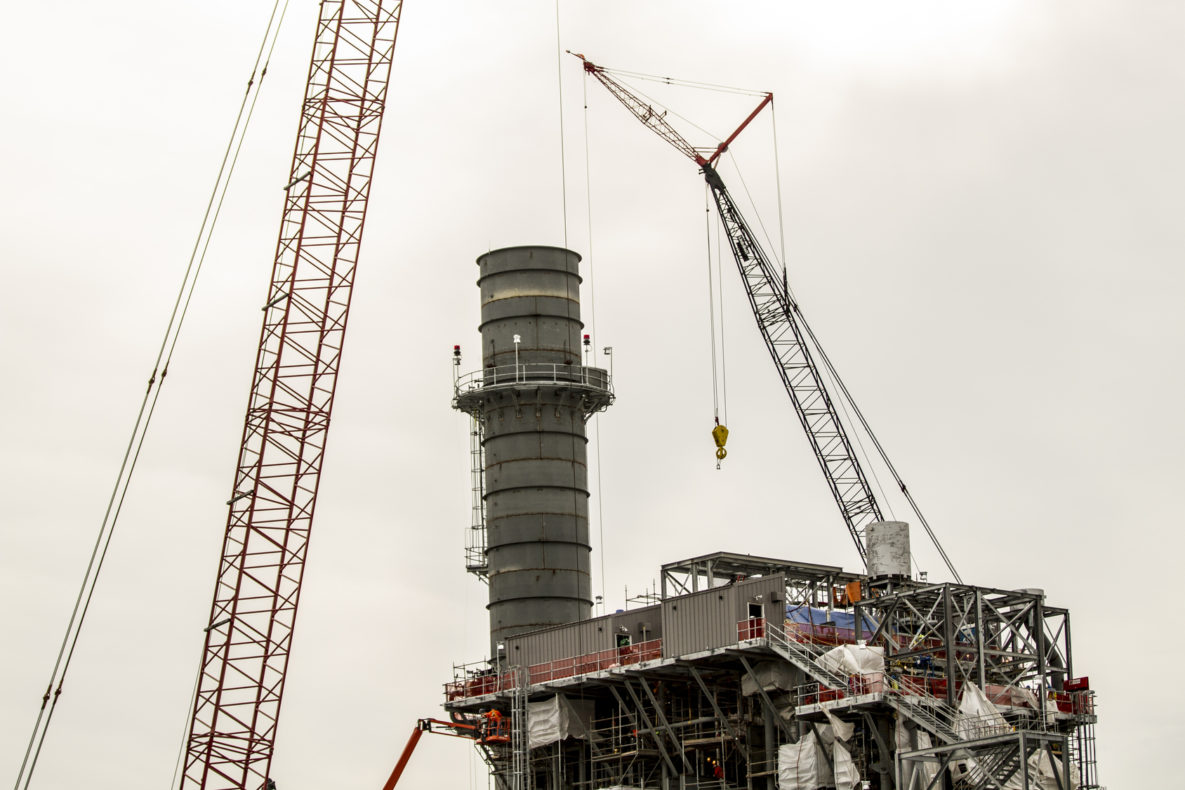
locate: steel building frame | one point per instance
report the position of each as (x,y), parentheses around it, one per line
(983,635)
(661,711)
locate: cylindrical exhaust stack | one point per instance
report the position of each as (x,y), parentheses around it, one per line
(531,399)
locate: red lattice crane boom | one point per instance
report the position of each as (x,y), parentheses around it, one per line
(249,634)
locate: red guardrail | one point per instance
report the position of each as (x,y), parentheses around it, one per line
(481,684)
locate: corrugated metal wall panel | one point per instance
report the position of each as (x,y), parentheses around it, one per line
(687,624)
(708,619)
(565,641)
(642,625)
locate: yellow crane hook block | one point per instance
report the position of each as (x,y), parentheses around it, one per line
(720,434)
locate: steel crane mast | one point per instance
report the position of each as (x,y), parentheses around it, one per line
(249,633)
(778,318)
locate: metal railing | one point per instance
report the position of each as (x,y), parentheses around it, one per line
(804,655)
(478,680)
(533,373)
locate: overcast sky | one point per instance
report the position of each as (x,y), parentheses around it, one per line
(983,217)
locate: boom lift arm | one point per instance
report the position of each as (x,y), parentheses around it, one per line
(491,731)
(778,318)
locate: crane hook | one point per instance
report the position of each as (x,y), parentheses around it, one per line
(720,435)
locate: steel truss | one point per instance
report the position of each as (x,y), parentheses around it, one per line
(249,637)
(987,636)
(806,582)
(990,762)
(781,328)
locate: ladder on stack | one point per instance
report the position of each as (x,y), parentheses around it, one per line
(520,747)
(475,537)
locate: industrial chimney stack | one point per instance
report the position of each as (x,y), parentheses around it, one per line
(531,400)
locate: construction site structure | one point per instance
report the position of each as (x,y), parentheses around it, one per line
(755,672)
(747,672)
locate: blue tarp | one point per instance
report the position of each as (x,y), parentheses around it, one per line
(809,615)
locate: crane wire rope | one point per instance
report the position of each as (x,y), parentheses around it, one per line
(148,403)
(559,54)
(861,451)
(720,296)
(847,398)
(913,505)
(778,183)
(684,83)
(829,369)
(668,111)
(712,308)
(592,309)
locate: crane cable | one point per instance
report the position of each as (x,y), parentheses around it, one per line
(592,310)
(830,368)
(793,302)
(879,448)
(148,403)
(560,85)
(719,430)
(847,399)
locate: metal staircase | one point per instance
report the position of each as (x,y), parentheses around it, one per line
(804,656)
(930,713)
(997,767)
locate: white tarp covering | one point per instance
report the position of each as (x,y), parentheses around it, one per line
(803,765)
(927,771)
(1044,774)
(853,660)
(843,730)
(772,675)
(977,716)
(846,775)
(554,720)
(917,773)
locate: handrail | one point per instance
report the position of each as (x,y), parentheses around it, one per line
(533,373)
(478,680)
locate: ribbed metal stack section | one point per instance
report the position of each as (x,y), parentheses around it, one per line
(532,398)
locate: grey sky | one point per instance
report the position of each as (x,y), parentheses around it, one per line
(983,219)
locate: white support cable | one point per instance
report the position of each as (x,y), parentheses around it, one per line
(711,305)
(720,296)
(668,111)
(829,370)
(592,309)
(778,182)
(877,444)
(560,83)
(151,395)
(753,207)
(684,83)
